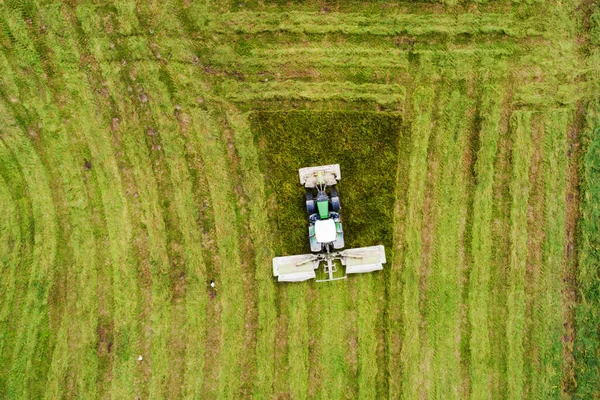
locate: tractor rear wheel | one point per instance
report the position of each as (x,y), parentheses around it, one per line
(335,200)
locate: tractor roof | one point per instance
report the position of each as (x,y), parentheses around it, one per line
(325,230)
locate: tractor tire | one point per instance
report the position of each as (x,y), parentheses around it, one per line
(335,200)
(310,204)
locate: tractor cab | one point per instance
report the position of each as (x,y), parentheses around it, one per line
(325,225)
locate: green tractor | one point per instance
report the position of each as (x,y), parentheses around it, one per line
(325,234)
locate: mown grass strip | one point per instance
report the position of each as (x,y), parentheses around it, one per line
(117,291)
(298,336)
(587,319)
(34,318)
(226,221)
(337,57)
(79,356)
(152,244)
(188,201)
(10,242)
(347,91)
(444,285)
(34,334)
(548,328)
(180,196)
(111,175)
(330,317)
(358,23)
(481,242)
(254,187)
(367,336)
(423,98)
(14,255)
(519,190)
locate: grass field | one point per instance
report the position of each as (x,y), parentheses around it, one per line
(147,148)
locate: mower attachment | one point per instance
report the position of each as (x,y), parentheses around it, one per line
(325,174)
(363,259)
(295,268)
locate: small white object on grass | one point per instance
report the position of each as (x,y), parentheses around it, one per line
(212,284)
(140,358)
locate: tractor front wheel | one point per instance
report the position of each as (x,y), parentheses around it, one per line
(310,204)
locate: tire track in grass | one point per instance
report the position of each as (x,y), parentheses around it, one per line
(481,243)
(30,333)
(15,263)
(519,190)
(262,239)
(444,287)
(214,157)
(548,327)
(423,98)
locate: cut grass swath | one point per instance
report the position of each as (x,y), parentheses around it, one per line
(519,189)
(420,131)
(587,317)
(298,90)
(481,242)
(261,234)
(298,336)
(80,320)
(357,23)
(17,260)
(444,285)
(32,333)
(367,337)
(548,327)
(230,288)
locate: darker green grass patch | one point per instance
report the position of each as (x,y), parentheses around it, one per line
(367,145)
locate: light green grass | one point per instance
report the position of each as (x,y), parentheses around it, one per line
(547,380)
(519,189)
(22,381)
(444,285)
